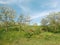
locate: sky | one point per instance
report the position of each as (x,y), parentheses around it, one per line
(37,9)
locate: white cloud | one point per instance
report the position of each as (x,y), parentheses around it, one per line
(42,14)
(51,4)
(2,2)
(54,4)
(7,1)
(13,1)
(38,15)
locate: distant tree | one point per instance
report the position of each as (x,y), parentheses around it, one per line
(44,22)
(35,24)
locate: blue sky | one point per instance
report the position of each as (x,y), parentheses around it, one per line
(37,9)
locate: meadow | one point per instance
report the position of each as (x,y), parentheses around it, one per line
(19,38)
(19,31)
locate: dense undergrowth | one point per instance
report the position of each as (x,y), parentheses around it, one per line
(16,37)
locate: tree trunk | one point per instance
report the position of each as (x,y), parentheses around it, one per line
(6,26)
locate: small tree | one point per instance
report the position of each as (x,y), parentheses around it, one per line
(23,21)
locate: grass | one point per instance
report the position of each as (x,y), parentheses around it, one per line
(18,38)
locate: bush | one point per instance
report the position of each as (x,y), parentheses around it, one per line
(28,35)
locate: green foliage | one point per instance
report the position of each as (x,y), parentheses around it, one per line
(36,32)
(28,35)
(11,36)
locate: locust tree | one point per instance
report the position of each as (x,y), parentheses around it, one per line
(23,20)
(7,15)
(53,21)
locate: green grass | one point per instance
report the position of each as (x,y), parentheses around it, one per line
(18,38)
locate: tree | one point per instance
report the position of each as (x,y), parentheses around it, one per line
(7,15)
(23,21)
(53,21)
(44,22)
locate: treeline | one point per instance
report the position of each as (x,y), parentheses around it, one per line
(10,21)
